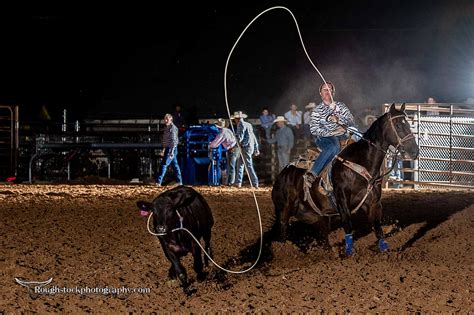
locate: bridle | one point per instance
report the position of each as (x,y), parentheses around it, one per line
(400,141)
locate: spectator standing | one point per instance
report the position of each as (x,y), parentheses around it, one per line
(294,118)
(432,100)
(284,139)
(249,146)
(178,117)
(307,118)
(170,145)
(266,121)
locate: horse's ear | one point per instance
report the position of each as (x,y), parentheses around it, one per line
(392,108)
(402,109)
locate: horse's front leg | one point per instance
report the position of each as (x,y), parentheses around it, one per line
(375,215)
(345,213)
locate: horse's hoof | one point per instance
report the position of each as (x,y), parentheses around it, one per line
(349,245)
(349,252)
(383,246)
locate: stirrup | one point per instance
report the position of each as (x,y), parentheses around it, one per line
(321,188)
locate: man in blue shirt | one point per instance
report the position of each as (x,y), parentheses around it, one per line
(266,121)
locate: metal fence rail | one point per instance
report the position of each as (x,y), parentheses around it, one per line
(445,135)
(9,140)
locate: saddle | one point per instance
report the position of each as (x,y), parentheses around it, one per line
(306,160)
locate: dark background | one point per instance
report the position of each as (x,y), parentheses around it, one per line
(140,62)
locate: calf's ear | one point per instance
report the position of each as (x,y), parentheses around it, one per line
(144,206)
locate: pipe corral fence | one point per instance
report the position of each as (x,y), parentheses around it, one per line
(445,136)
(130,149)
(9,140)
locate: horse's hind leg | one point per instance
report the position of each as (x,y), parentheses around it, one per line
(280,198)
(281,221)
(376,217)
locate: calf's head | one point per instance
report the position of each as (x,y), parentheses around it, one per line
(164,208)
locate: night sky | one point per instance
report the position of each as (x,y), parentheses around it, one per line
(140,63)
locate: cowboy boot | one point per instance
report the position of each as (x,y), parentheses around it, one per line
(322,188)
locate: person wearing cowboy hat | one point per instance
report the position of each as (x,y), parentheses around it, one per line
(307,118)
(328,124)
(249,147)
(369,119)
(284,139)
(229,142)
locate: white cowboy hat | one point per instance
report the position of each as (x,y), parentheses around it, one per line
(310,105)
(239,114)
(220,123)
(366,119)
(279,118)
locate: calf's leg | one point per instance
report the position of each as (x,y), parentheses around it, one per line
(179,269)
(197,255)
(207,246)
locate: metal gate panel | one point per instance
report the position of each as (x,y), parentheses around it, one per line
(446,143)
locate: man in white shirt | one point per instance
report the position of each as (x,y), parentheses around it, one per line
(293,116)
(294,119)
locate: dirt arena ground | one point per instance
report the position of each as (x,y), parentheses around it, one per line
(92,236)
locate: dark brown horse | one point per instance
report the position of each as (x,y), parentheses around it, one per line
(351,190)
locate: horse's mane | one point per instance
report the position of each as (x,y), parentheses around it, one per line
(373,131)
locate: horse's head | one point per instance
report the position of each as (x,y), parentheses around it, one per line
(398,134)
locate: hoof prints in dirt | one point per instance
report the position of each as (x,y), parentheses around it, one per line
(56,231)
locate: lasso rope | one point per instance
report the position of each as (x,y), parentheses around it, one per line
(241,155)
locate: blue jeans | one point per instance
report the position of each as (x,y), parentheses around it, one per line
(165,162)
(329,148)
(247,154)
(232,156)
(283,157)
(397,169)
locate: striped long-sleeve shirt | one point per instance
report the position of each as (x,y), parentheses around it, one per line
(170,136)
(319,125)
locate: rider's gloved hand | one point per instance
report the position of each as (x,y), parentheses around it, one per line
(333,118)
